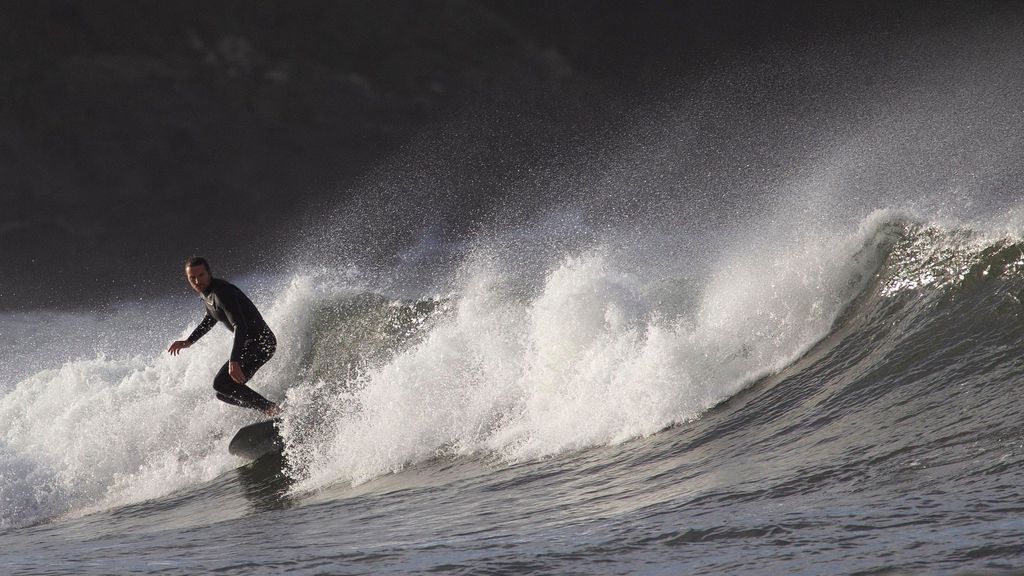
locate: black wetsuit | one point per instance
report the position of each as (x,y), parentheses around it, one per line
(254,343)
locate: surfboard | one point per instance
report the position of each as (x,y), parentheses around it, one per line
(256,440)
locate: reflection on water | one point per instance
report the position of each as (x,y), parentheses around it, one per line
(265,482)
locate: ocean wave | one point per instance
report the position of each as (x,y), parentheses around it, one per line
(597,352)
(515,363)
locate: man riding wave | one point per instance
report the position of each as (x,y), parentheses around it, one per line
(254,342)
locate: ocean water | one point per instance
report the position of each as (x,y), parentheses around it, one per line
(847,407)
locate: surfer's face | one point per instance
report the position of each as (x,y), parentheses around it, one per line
(198,278)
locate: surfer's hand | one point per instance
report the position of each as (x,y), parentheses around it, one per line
(178,346)
(235,371)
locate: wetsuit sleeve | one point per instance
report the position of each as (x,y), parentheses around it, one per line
(204,327)
(232,306)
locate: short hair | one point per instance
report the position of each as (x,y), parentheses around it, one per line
(197,261)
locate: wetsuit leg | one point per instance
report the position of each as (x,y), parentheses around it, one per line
(230,400)
(254,355)
(238,394)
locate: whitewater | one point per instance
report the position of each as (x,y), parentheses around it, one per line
(690,344)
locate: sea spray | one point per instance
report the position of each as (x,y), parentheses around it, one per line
(586,355)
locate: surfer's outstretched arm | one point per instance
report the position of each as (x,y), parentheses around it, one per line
(178,346)
(204,327)
(201,330)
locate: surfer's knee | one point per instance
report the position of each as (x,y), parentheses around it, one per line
(222,382)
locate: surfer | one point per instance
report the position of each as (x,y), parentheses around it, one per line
(254,343)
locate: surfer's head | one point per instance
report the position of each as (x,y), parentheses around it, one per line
(197,270)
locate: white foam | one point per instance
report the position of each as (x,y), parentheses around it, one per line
(76,436)
(589,357)
(102,431)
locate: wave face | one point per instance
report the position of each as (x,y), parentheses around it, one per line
(522,365)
